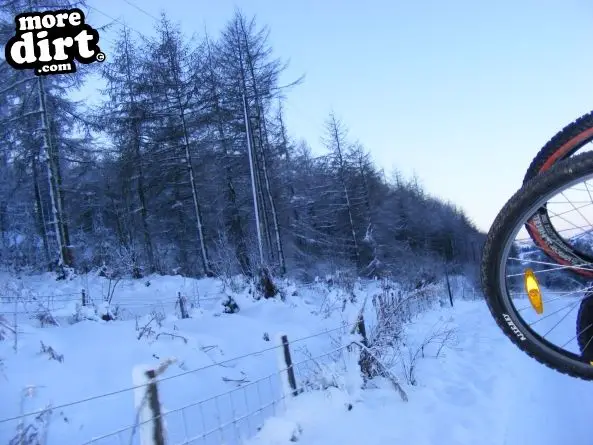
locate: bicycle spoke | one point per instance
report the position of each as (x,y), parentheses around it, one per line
(549,315)
(562,319)
(582,331)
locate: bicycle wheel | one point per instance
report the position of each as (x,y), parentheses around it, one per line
(505,260)
(564,144)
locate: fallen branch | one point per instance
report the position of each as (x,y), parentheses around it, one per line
(172,336)
(238,381)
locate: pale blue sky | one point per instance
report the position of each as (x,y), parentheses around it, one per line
(461,92)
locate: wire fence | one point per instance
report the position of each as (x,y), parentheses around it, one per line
(228,417)
(33,305)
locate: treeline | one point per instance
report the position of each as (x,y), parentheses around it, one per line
(159,177)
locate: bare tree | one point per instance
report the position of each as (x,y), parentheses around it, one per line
(124,116)
(337,144)
(175,87)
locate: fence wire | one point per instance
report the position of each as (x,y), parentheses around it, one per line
(33,305)
(230,417)
(191,371)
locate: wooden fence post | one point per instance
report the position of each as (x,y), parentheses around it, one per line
(289,368)
(364,360)
(158,431)
(148,405)
(362,330)
(181,300)
(448,286)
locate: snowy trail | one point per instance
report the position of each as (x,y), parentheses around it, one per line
(556,408)
(484,391)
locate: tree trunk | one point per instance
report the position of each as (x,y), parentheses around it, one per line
(207,267)
(143,211)
(140,171)
(276,225)
(264,224)
(39,213)
(183,254)
(264,144)
(345,189)
(233,222)
(64,255)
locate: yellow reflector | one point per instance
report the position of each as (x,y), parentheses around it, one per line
(533,292)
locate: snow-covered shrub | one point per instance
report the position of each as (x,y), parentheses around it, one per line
(321,375)
(230,305)
(14,293)
(106,311)
(236,283)
(265,284)
(120,262)
(393,307)
(288,289)
(45,318)
(342,279)
(145,326)
(32,431)
(223,257)
(439,338)
(5,328)
(51,353)
(65,273)
(183,305)
(109,290)
(81,313)
(339,369)
(107,272)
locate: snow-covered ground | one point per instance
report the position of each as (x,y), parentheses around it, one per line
(471,384)
(216,352)
(483,391)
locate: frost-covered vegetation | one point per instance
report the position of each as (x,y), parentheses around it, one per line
(156,177)
(57,351)
(128,234)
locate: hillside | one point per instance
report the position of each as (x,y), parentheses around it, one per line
(76,373)
(67,352)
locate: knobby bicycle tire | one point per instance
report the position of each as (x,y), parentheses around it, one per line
(540,228)
(564,144)
(506,225)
